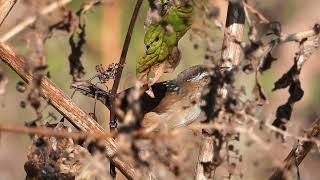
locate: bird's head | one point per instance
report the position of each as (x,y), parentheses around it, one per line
(196,75)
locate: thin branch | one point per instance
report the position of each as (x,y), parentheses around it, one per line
(66,107)
(113,122)
(298,153)
(123,57)
(28,21)
(44,131)
(52,132)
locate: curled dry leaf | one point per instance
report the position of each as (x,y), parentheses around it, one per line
(291,79)
(306,48)
(69,23)
(154,73)
(76,67)
(266,62)
(106,74)
(288,78)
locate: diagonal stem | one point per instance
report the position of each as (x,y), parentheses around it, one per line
(113,122)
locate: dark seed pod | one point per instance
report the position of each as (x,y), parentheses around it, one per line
(23,104)
(21,87)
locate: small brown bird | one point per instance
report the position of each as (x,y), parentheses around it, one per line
(176,103)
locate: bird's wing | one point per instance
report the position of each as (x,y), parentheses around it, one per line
(146,102)
(173,118)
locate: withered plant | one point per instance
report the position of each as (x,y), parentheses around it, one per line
(77,146)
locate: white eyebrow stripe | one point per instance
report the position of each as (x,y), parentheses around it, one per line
(198,76)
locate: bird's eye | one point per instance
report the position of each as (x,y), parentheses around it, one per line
(165,4)
(185,21)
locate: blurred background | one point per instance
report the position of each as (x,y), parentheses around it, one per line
(106,29)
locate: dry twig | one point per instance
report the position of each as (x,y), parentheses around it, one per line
(66,107)
(113,121)
(42,131)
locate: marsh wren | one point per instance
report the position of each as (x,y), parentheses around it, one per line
(176,103)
